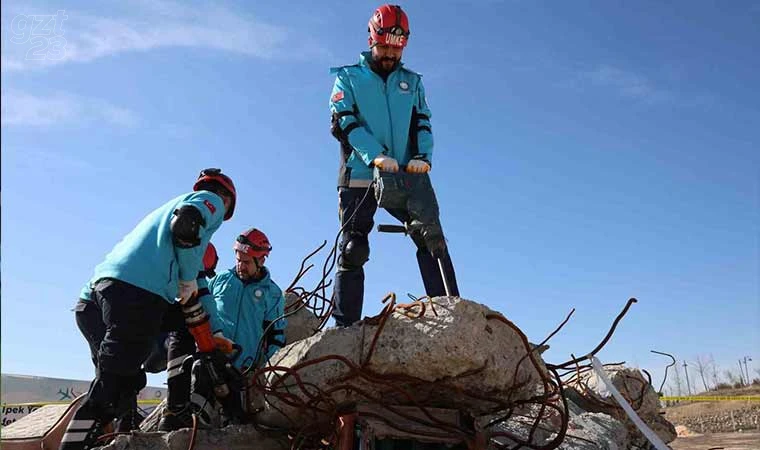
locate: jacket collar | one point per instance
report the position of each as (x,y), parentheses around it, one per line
(265,279)
(366,57)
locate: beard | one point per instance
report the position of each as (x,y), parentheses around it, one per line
(243,275)
(386,64)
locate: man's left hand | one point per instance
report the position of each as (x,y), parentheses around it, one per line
(187,289)
(417,166)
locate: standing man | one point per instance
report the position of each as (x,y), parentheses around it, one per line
(154,267)
(382,120)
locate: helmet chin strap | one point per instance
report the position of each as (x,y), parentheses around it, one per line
(254,275)
(259,267)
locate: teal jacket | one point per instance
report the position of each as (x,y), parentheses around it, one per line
(373,117)
(147,256)
(243,311)
(85,294)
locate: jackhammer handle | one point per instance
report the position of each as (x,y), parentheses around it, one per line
(391,228)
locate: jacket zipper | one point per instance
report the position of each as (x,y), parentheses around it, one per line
(390,118)
(387,107)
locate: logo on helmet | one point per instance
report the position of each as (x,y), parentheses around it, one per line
(396,41)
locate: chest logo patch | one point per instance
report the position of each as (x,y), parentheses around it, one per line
(258,293)
(404,86)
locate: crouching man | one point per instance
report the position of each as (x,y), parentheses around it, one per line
(246,313)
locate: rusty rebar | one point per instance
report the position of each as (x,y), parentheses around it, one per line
(665,377)
(593,352)
(546,408)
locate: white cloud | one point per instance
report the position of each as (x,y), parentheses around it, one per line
(24,109)
(84,37)
(627,84)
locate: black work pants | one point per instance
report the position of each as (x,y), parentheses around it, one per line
(181,346)
(90,323)
(358,218)
(134,319)
(89,320)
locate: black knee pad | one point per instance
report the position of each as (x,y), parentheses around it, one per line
(354,252)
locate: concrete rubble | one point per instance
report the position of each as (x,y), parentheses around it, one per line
(445,367)
(592,431)
(459,356)
(234,437)
(590,393)
(302,324)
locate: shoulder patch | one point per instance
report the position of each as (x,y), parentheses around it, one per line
(338,96)
(210,206)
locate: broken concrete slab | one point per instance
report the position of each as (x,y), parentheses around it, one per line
(593,431)
(591,394)
(302,324)
(234,437)
(43,428)
(36,424)
(458,354)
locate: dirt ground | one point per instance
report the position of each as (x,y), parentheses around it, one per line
(685,410)
(726,441)
(676,414)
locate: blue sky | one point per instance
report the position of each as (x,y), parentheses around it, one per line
(586,152)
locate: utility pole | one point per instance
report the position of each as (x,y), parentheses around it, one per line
(747,358)
(741,373)
(688,387)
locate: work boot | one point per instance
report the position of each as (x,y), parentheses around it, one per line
(175,420)
(83,431)
(130,421)
(172,420)
(131,418)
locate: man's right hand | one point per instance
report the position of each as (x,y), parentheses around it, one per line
(385,163)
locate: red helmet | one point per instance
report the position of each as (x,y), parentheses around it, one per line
(253,243)
(216,177)
(210,259)
(389,26)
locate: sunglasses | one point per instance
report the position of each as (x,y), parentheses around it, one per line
(394,30)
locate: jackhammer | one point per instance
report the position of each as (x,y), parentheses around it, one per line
(414,194)
(226,380)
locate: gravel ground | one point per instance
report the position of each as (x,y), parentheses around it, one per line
(726,441)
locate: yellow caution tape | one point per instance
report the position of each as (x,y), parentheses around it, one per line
(713,398)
